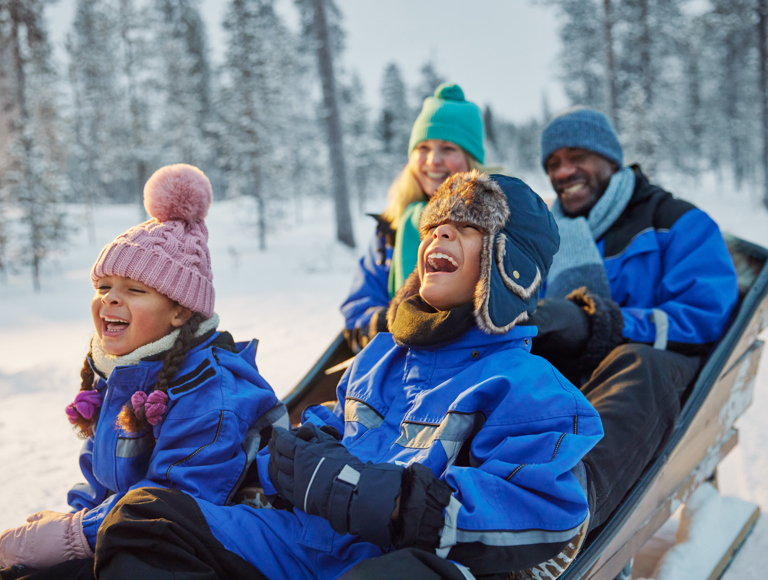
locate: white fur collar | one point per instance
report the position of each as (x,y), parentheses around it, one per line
(106,363)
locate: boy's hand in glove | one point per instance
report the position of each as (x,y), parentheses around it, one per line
(312,469)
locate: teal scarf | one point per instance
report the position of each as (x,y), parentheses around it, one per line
(406,251)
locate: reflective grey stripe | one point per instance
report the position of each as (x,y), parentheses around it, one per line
(251,444)
(134,446)
(359,412)
(661,321)
(452,449)
(500,538)
(465,571)
(314,473)
(455,427)
(349,475)
(448,533)
(417,435)
(276,416)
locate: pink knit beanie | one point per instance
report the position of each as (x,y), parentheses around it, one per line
(169,252)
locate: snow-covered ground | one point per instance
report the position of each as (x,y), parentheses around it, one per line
(288,298)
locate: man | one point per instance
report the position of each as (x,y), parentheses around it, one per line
(641,289)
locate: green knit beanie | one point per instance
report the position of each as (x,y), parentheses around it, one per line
(448,117)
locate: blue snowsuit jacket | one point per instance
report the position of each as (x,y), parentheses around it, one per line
(668,267)
(210,434)
(501,426)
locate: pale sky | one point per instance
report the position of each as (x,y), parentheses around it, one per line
(502,52)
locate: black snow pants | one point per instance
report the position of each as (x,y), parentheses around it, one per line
(637,391)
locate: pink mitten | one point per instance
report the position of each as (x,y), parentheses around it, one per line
(47,539)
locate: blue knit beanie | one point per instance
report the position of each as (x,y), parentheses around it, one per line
(449,117)
(585,129)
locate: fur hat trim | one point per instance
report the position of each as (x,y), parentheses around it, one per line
(471,197)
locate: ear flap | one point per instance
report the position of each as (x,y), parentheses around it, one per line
(508,289)
(517,271)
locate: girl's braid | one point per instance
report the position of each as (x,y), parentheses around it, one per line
(86,384)
(132,421)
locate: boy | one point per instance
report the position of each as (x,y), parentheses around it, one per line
(460,449)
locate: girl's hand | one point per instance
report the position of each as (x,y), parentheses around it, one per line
(48,538)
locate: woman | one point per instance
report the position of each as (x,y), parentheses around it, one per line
(447,138)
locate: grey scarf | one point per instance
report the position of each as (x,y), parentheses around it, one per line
(578,262)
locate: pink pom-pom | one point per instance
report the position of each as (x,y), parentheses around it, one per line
(157,403)
(154,405)
(178,192)
(138,399)
(85,405)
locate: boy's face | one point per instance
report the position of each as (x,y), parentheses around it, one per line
(449,264)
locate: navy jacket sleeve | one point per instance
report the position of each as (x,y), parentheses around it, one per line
(697,290)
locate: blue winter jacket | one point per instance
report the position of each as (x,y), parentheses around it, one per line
(669,270)
(369,293)
(210,434)
(502,427)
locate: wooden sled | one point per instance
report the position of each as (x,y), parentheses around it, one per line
(703,437)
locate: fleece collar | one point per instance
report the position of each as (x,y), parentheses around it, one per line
(105,363)
(418,324)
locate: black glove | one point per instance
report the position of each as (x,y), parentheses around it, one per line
(577,332)
(564,328)
(314,471)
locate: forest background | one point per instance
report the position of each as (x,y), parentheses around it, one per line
(301,125)
(281,118)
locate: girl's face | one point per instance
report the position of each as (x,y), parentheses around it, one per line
(433,161)
(449,264)
(128,314)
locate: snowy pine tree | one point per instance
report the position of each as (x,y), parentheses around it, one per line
(638,135)
(183,79)
(582,64)
(430,79)
(33,181)
(97,103)
(362,147)
(138,147)
(394,128)
(256,104)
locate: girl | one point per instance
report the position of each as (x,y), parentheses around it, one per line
(166,400)
(447,138)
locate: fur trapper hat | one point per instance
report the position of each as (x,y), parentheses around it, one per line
(520,240)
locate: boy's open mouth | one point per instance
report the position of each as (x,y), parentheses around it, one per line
(113,326)
(439,262)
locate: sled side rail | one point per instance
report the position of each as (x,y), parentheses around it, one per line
(317,386)
(708,439)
